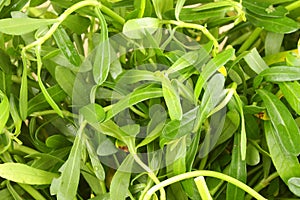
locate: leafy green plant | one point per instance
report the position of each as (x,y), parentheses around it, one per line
(141,99)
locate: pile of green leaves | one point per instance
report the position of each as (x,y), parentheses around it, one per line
(149,99)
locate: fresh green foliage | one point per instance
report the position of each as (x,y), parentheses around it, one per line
(149,99)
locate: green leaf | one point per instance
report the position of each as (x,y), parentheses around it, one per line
(252,156)
(265,9)
(277,25)
(22,173)
(20,26)
(134,76)
(237,170)
(121,179)
(212,66)
(281,74)
(23,99)
(255,62)
(92,113)
(65,78)
(294,185)
(133,98)
(176,129)
(273,43)
(178,7)
(172,99)
(67,47)
(137,28)
(282,121)
(102,63)
(4,107)
(65,187)
(214,93)
(77,23)
(161,6)
(175,156)
(39,102)
(97,166)
(286,164)
(291,92)
(231,124)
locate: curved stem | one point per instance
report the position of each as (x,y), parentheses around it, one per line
(60,19)
(193,174)
(151,175)
(203,29)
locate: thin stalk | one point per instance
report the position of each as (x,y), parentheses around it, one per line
(112,14)
(51,112)
(138,112)
(142,8)
(60,19)
(203,29)
(202,188)
(293,6)
(150,174)
(255,34)
(263,183)
(193,174)
(148,186)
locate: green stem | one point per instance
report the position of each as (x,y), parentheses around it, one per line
(151,175)
(193,174)
(148,186)
(51,112)
(112,14)
(142,8)
(263,183)
(60,19)
(203,29)
(255,34)
(293,6)
(202,188)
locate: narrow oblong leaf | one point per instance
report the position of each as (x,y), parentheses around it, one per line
(281,74)
(255,62)
(265,9)
(172,99)
(161,6)
(137,28)
(286,164)
(277,25)
(4,107)
(178,8)
(66,46)
(39,102)
(294,185)
(133,98)
(121,179)
(211,67)
(92,113)
(22,173)
(102,58)
(237,170)
(20,26)
(291,92)
(66,185)
(282,121)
